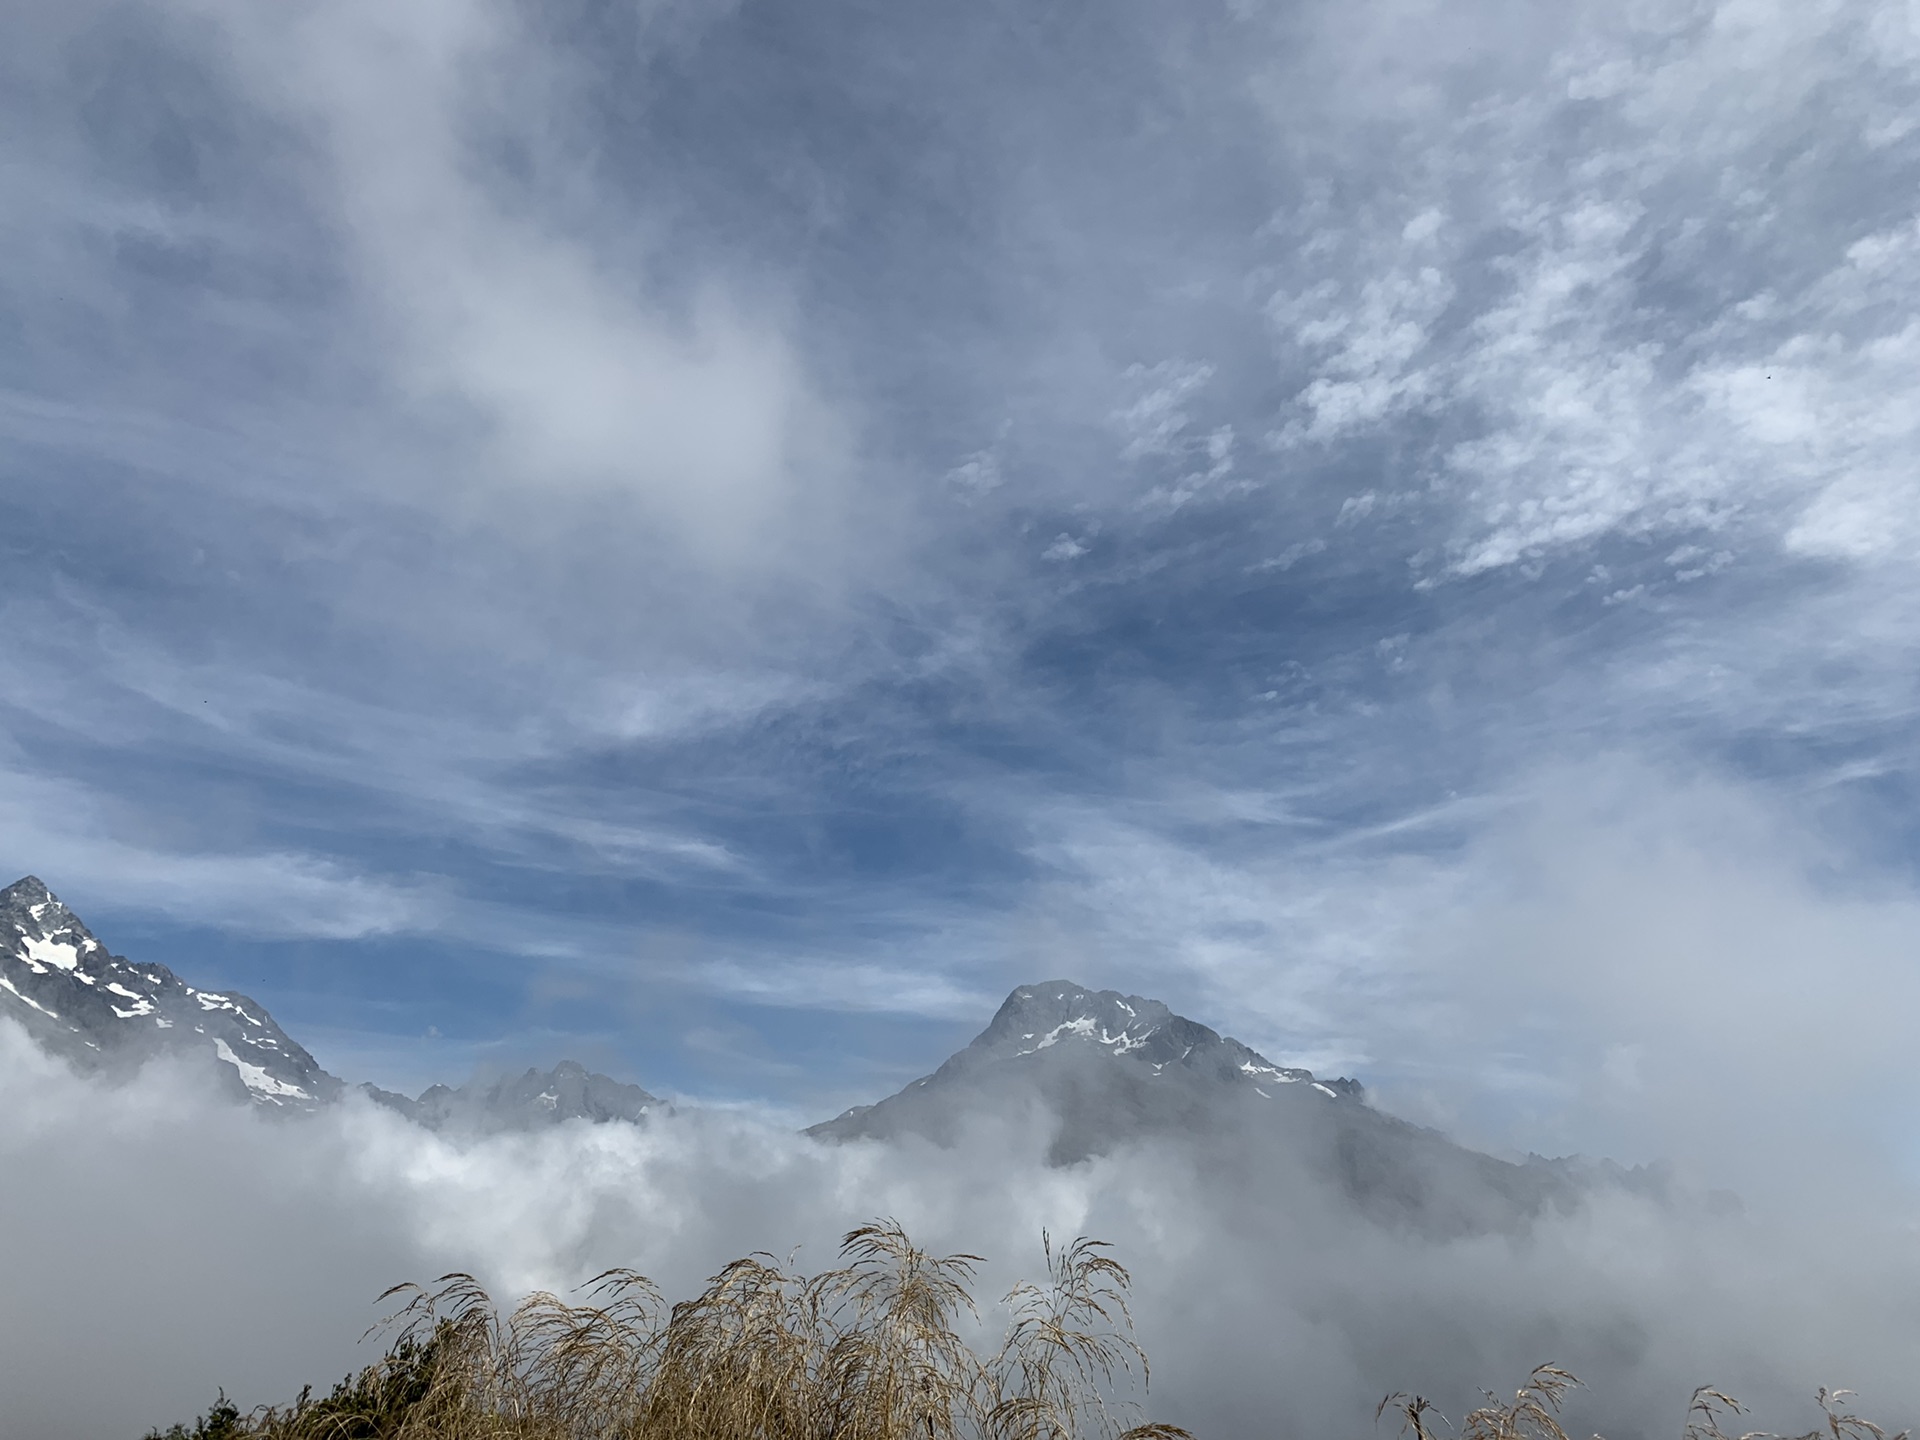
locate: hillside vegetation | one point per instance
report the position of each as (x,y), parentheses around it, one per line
(870,1350)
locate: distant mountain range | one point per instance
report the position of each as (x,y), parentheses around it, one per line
(531,1101)
(103,1013)
(1099,1069)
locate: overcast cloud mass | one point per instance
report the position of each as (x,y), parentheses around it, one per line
(181,1244)
(715,539)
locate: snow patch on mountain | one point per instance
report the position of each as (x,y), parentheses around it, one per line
(39,951)
(1040,1017)
(255,1077)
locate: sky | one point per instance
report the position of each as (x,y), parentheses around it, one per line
(717,539)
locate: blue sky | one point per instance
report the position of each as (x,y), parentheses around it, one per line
(718,538)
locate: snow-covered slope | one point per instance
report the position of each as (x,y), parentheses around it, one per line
(101,1010)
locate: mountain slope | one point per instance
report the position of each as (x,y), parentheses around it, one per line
(1108,1070)
(102,1011)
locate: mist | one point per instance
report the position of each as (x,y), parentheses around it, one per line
(165,1245)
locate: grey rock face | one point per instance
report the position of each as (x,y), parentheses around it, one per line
(103,1012)
(532,1101)
(1109,1069)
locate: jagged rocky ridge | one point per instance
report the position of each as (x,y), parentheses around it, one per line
(102,1012)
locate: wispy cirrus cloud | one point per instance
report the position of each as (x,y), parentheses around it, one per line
(97,842)
(882,495)
(1614,309)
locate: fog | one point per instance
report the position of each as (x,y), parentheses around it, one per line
(163,1245)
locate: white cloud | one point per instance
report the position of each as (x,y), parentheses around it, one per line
(1479,964)
(1155,419)
(1594,404)
(847,985)
(438,769)
(1291,556)
(1367,343)
(490,300)
(72,836)
(979,474)
(1276,1302)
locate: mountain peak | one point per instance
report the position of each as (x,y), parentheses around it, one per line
(29,904)
(98,1009)
(1041,1017)
(1034,1017)
(27,890)
(1062,1039)
(43,932)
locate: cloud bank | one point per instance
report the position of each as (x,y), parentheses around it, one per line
(179,1245)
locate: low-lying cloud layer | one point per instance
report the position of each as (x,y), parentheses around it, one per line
(169,1245)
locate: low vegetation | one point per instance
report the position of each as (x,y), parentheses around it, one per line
(871,1350)
(1533,1413)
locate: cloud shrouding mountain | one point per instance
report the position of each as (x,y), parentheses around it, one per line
(221,1250)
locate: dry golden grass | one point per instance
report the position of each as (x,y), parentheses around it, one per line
(1534,1414)
(871,1350)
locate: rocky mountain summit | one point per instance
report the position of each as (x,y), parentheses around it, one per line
(101,1011)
